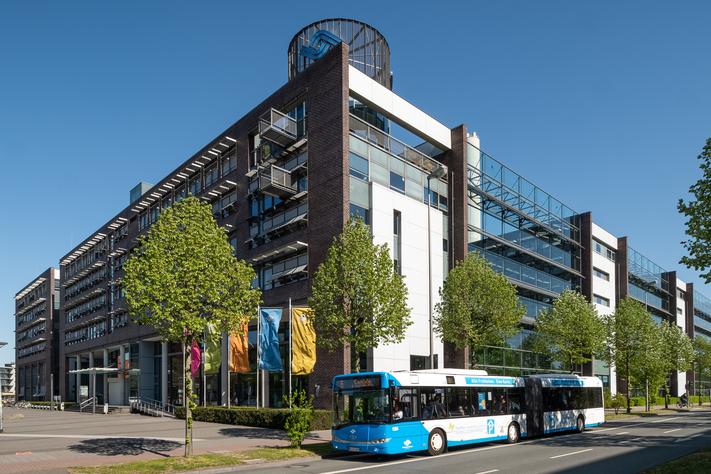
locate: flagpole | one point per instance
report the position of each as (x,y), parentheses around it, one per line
(204,376)
(259,321)
(291,345)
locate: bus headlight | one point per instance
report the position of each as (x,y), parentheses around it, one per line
(379,441)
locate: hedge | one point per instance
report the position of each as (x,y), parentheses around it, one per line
(259,417)
(66,404)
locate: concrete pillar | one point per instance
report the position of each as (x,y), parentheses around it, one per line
(79,377)
(105,378)
(122,374)
(164,373)
(91,360)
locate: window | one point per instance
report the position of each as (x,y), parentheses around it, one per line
(155,211)
(195,186)
(680,294)
(179,193)
(600,300)
(229,164)
(458,404)
(408,401)
(397,241)
(679,311)
(211,175)
(143,221)
(601,274)
(433,402)
(604,251)
(397,182)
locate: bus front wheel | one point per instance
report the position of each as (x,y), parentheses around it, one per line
(513,434)
(580,424)
(436,443)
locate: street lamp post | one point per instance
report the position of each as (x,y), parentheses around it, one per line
(440,171)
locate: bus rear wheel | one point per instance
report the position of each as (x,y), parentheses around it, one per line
(436,443)
(580,424)
(513,434)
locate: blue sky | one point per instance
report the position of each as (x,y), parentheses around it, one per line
(602,104)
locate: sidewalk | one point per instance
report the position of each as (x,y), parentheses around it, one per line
(705,406)
(51,441)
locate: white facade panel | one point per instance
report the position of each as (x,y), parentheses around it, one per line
(604,236)
(383,100)
(414,268)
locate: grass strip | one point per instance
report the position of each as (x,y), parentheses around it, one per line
(699,461)
(205,461)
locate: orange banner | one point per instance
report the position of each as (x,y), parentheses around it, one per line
(239,352)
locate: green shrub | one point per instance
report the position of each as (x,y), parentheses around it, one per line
(66,404)
(259,417)
(637,401)
(299,420)
(607,397)
(618,402)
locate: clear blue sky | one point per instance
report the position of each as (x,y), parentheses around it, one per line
(603,104)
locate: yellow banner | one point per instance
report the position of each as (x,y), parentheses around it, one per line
(303,342)
(239,352)
(213,351)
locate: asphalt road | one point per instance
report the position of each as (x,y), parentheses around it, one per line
(619,447)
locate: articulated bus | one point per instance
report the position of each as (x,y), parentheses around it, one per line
(400,412)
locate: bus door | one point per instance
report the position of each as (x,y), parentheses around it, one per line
(534,406)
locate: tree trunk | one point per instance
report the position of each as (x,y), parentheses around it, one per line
(355,360)
(187,399)
(629,386)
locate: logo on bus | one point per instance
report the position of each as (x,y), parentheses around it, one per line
(407,444)
(490,427)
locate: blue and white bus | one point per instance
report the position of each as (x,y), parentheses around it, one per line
(401,412)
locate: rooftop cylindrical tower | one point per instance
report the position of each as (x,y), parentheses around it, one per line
(368,50)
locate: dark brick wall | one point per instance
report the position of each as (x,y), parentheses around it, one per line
(586,255)
(456,162)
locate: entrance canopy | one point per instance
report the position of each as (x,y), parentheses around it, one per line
(104,370)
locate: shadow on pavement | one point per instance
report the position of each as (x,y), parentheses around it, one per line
(254,433)
(123,446)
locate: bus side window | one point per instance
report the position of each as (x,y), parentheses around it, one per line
(499,401)
(458,402)
(407,397)
(515,401)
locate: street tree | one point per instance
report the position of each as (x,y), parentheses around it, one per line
(358,299)
(569,331)
(629,332)
(698,213)
(677,353)
(184,278)
(702,358)
(478,306)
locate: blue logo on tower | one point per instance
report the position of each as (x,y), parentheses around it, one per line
(490,427)
(320,43)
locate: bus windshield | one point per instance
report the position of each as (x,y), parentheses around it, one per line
(360,406)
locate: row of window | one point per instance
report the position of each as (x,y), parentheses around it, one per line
(90,256)
(34,314)
(85,309)
(32,332)
(289,270)
(224,206)
(119,262)
(25,351)
(85,334)
(85,283)
(600,274)
(603,250)
(32,295)
(601,300)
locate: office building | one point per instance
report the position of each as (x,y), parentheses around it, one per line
(283,181)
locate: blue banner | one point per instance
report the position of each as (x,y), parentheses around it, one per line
(489,381)
(269,357)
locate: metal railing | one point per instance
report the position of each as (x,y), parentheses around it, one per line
(89,402)
(152,407)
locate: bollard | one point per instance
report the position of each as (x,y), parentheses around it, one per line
(61,406)
(106,408)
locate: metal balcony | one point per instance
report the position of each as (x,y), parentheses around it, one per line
(276,182)
(278,128)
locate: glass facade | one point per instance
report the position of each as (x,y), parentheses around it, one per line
(648,283)
(531,238)
(702,315)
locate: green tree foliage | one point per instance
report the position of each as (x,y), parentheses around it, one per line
(698,211)
(184,277)
(478,306)
(629,332)
(702,358)
(569,331)
(677,353)
(357,298)
(298,424)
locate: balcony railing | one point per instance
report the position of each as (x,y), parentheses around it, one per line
(276,182)
(278,128)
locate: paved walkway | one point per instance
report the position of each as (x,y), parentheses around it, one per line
(48,442)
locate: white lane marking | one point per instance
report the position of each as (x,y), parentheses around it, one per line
(628,440)
(665,419)
(570,454)
(468,451)
(624,432)
(5,435)
(606,429)
(487,472)
(671,431)
(681,440)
